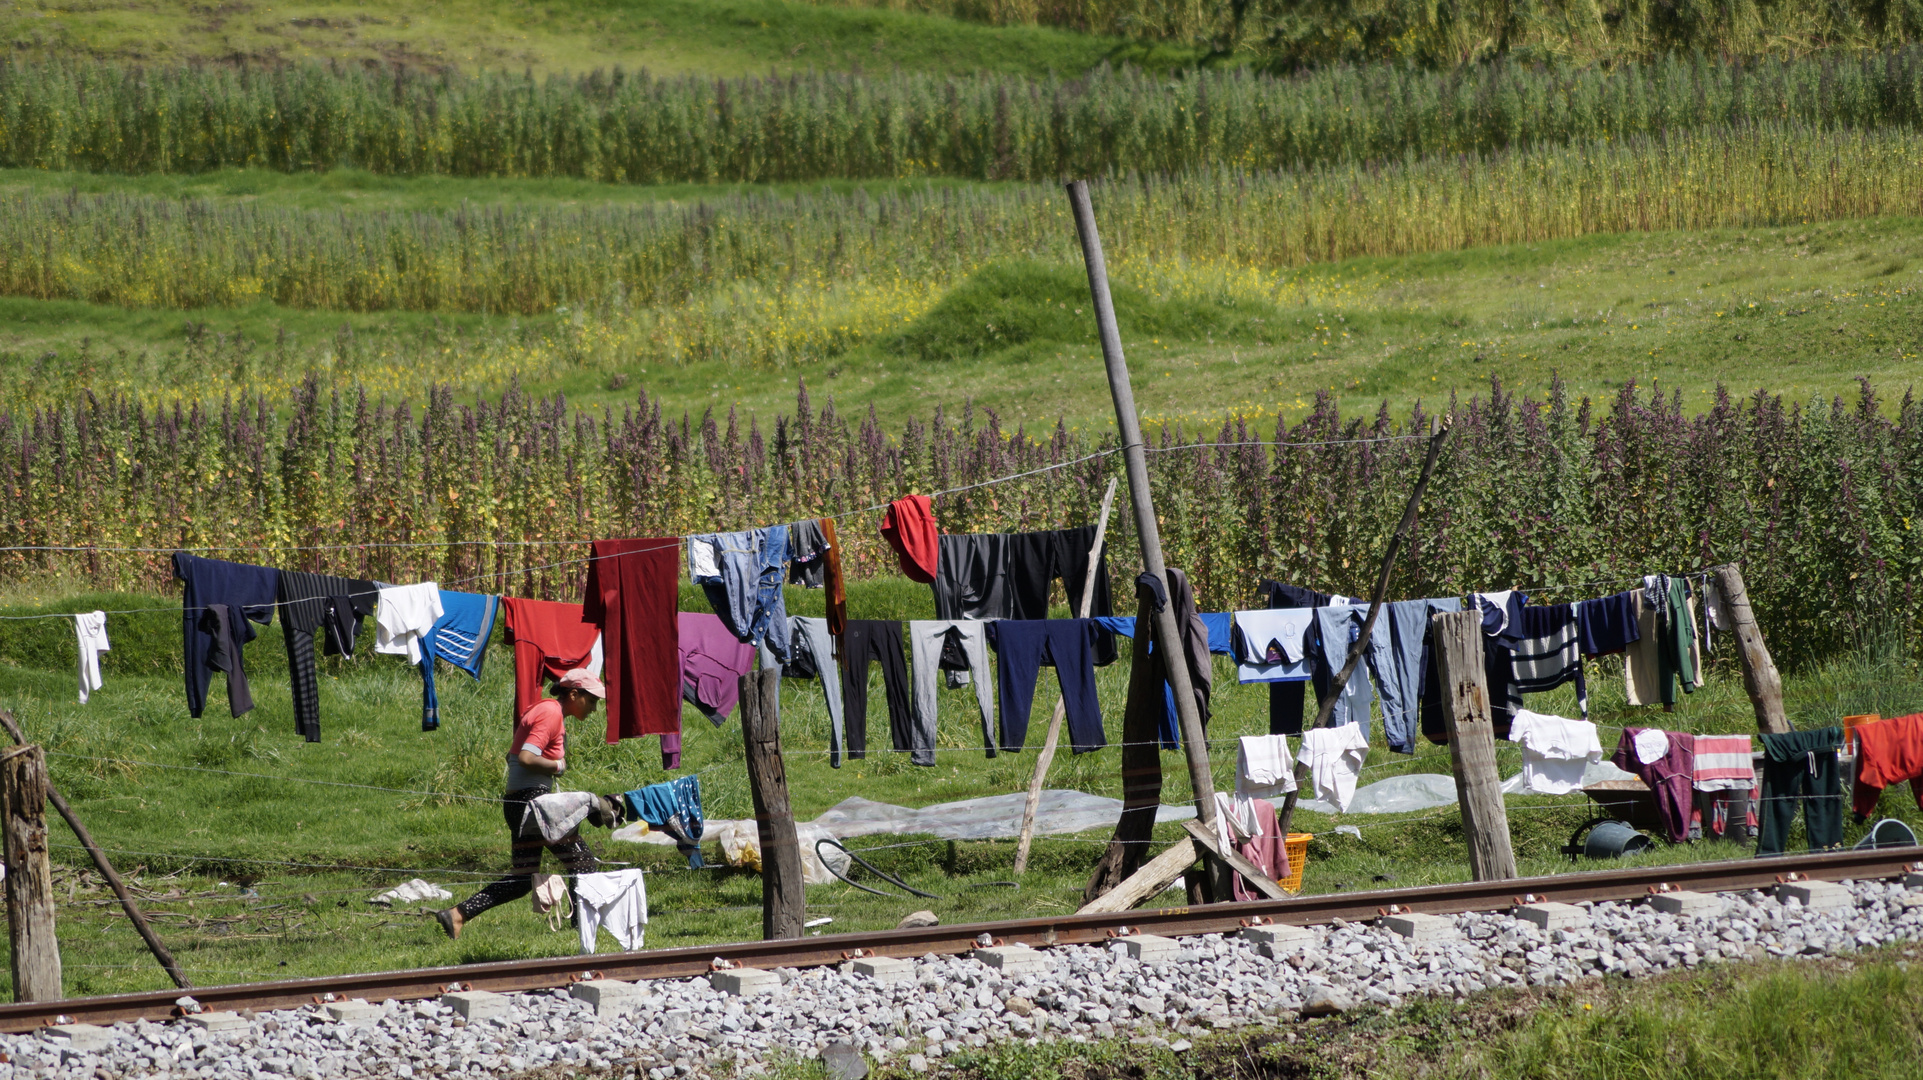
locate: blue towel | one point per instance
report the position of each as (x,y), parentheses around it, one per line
(459,637)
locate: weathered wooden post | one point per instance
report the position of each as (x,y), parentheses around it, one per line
(1760,677)
(105,867)
(1472,744)
(36,952)
(783,895)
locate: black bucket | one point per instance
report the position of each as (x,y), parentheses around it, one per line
(1607,839)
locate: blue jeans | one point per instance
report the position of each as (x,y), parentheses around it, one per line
(747,593)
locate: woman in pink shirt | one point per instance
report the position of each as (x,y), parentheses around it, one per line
(537,754)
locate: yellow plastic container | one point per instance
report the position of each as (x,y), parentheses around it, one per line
(1297,846)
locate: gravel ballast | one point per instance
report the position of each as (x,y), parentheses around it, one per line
(675,1028)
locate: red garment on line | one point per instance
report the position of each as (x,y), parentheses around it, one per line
(632,593)
(1888,752)
(549,639)
(909,528)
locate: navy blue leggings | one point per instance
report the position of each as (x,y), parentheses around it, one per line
(1024,647)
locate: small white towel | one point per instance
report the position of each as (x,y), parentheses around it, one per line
(91,629)
(1263,768)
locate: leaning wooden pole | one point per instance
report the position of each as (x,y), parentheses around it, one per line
(783,896)
(1760,677)
(1147,530)
(106,869)
(30,927)
(1472,744)
(1047,757)
(1438,431)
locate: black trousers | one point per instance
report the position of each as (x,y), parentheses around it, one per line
(571,850)
(318,603)
(864,641)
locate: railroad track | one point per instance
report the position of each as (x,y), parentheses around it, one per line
(520,975)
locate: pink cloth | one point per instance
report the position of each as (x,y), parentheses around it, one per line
(1672,777)
(1266,850)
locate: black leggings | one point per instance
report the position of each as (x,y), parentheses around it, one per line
(571,850)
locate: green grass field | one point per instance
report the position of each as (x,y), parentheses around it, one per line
(715,37)
(1803,311)
(258,850)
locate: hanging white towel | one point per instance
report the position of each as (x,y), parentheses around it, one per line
(91,629)
(1334,757)
(1555,751)
(617,900)
(1263,768)
(406,614)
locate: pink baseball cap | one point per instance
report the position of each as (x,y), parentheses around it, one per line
(579,679)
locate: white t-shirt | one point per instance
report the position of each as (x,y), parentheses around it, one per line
(1263,768)
(1555,751)
(1334,757)
(405,615)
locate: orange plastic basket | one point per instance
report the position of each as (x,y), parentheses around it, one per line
(1297,846)
(1850,724)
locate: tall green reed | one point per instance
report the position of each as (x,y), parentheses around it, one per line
(634,128)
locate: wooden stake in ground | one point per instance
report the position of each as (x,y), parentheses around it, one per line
(106,869)
(783,899)
(1472,744)
(1437,433)
(1047,756)
(1760,677)
(1147,529)
(36,952)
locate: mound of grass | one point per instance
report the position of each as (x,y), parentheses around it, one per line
(1020,310)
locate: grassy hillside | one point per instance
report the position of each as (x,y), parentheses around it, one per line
(1800,310)
(710,37)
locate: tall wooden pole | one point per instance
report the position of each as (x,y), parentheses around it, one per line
(1472,744)
(1760,677)
(1438,431)
(1047,756)
(36,952)
(1147,530)
(783,896)
(106,869)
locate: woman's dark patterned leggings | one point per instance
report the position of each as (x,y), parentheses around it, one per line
(571,850)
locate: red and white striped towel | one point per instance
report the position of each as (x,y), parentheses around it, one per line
(1723,763)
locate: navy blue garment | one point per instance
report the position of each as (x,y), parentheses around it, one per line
(248,590)
(1221,627)
(1024,647)
(1607,625)
(459,637)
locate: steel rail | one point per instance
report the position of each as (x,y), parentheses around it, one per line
(521,975)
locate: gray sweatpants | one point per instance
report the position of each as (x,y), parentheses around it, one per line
(924,648)
(812,634)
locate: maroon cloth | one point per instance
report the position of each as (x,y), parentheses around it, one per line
(909,528)
(1672,777)
(632,593)
(1266,850)
(549,640)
